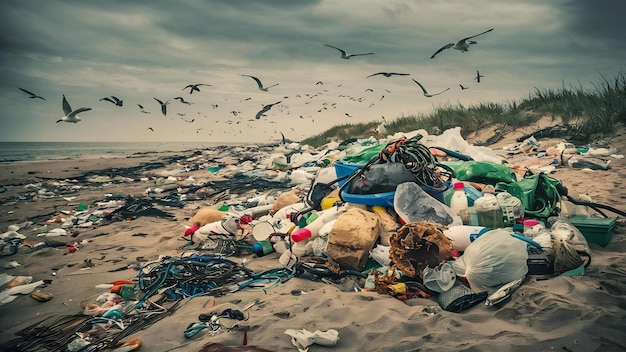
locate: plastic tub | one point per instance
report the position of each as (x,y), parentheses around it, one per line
(386,199)
(342,169)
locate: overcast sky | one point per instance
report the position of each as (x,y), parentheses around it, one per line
(141,50)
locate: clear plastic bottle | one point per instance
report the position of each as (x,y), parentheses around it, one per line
(458,201)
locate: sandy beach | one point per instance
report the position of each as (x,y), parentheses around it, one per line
(563,313)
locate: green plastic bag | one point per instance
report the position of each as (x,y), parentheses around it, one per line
(365,155)
(539,193)
(482,172)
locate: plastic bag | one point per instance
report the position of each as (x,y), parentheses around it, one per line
(482,172)
(540,194)
(493,259)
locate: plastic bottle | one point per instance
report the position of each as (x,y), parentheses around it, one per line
(537,232)
(463,235)
(311,230)
(489,211)
(459,198)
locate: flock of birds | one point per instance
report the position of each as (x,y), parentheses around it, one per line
(71,115)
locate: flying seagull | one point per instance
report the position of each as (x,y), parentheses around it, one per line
(163,106)
(343,53)
(32,95)
(258,82)
(426,94)
(389,74)
(478,76)
(142,110)
(462,45)
(463,87)
(150,128)
(182,100)
(265,109)
(194,87)
(114,100)
(71,115)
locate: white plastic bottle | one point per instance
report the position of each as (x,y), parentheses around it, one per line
(463,235)
(459,198)
(311,230)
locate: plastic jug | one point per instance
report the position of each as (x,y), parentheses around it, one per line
(489,211)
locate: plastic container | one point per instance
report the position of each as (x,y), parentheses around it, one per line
(458,201)
(463,235)
(512,209)
(344,169)
(489,212)
(595,229)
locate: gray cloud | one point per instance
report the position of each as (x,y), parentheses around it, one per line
(138,51)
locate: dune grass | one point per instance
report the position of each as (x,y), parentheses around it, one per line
(587,112)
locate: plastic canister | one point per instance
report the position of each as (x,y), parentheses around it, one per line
(489,211)
(512,208)
(463,235)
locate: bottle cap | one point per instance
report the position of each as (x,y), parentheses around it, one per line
(459,186)
(530,222)
(300,234)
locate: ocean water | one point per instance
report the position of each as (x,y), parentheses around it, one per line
(39,151)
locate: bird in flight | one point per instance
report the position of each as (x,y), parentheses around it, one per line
(343,53)
(32,95)
(478,76)
(142,110)
(463,87)
(426,94)
(71,115)
(258,82)
(462,45)
(182,100)
(163,106)
(194,87)
(150,128)
(265,109)
(113,100)
(389,74)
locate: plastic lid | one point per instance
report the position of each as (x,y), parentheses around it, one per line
(459,186)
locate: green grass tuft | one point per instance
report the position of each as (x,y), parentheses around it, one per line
(589,112)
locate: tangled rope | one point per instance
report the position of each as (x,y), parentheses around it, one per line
(418,159)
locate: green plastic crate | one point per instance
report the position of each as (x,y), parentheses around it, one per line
(595,229)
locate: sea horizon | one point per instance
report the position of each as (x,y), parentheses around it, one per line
(42,151)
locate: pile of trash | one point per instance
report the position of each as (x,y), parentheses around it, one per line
(412,215)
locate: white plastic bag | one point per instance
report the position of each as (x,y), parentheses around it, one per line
(493,259)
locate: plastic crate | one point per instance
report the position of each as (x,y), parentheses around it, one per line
(595,229)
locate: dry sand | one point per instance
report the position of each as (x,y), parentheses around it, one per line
(579,313)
